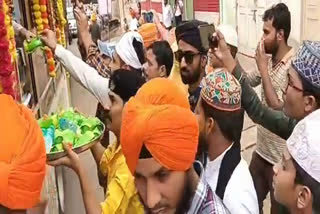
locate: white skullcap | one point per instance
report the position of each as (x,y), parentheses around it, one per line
(304,144)
(230,34)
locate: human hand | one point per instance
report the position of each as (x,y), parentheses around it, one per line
(28,35)
(261,57)
(222,52)
(49,39)
(71,160)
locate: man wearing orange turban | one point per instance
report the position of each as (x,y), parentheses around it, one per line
(159,138)
(22,157)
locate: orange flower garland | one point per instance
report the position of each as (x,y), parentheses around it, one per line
(8,56)
(41,16)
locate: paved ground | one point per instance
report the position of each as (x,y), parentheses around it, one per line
(86,103)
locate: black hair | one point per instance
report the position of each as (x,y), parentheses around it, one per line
(126,83)
(281,18)
(303,178)
(230,123)
(139,49)
(164,54)
(310,90)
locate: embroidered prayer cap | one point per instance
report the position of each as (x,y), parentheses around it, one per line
(307,62)
(303,144)
(222,91)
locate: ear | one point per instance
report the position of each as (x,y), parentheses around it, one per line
(163,71)
(310,103)
(204,60)
(210,125)
(280,35)
(304,197)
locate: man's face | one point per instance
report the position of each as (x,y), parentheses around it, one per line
(214,61)
(199,112)
(190,71)
(284,181)
(114,115)
(152,69)
(294,104)
(165,2)
(116,63)
(161,190)
(270,38)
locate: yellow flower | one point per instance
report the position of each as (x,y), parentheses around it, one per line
(40,27)
(37,14)
(43,8)
(36,1)
(36,7)
(45,21)
(39,21)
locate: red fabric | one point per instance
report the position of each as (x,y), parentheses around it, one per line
(22,156)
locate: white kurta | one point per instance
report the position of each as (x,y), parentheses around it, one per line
(240,195)
(87,76)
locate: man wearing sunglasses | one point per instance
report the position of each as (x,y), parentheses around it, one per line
(192,57)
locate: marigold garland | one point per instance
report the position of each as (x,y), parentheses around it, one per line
(41,16)
(8,55)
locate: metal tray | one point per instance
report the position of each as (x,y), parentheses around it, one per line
(78,149)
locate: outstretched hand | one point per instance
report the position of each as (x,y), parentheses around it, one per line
(222,52)
(49,39)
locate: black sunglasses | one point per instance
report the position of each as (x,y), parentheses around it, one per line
(188,56)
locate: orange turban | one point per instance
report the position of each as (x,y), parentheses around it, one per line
(159,91)
(22,156)
(149,33)
(168,131)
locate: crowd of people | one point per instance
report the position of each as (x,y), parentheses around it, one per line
(177,111)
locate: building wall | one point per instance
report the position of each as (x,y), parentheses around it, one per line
(210,17)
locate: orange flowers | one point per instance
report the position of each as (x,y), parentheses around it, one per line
(8,55)
(40,13)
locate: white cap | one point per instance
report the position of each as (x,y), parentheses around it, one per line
(230,34)
(303,144)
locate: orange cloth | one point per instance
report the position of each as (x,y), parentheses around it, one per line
(149,33)
(153,92)
(22,156)
(169,131)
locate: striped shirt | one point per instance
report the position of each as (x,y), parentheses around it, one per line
(205,201)
(270,146)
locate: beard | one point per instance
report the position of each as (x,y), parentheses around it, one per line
(202,145)
(187,196)
(188,77)
(273,47)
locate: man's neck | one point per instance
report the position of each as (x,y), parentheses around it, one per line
(282,51)
(217,145)
(194,86)
(194,179)
(308,210)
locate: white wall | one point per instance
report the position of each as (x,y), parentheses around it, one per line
(295,8)
(228,12)
(210,17)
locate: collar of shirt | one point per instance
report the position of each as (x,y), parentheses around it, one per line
(205,200)
(284,60)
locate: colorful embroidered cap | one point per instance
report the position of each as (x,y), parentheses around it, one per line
(222,91)
(303,144)
(307,62)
